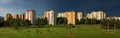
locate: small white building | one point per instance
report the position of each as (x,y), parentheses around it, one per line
(116,18)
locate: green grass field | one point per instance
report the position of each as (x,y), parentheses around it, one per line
(81,31)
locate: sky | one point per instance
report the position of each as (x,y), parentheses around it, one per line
(111,7)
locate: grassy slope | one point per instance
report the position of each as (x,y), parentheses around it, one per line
(82,31)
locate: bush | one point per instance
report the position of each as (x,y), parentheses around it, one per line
(110,24)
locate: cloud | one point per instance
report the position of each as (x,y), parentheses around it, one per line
(12,1)
(6,1)
(14,10)
(11,6)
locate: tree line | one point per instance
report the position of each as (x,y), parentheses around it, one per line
(14,22)
(110,24)
(40,22)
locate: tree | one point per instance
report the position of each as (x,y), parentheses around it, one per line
(17,23)
(89,21)
(110,23)
(1,23)
(41,22)
(77,21)
(61,20)
(82,21)
(25,23)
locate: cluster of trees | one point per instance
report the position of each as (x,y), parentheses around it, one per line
(14,23)
(22,23)
(61,20)
(88,21)
(41,22)
(110,24)
(1,22)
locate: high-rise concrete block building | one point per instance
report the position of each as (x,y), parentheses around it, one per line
(19,16)
(22,16)
(89,16)
(7,16)
(71,17)
(30,15)
(50,16)
(16,16)
(79,16)
(96,15)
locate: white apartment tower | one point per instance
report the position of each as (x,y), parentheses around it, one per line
(96,15)
(50,16)
(30,15)
(79,16)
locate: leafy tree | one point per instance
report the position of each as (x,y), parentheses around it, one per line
(25,23)
(61,20)
(17,23)
(40,22)
(110,23)
(89,21)
(77,21)
(1,23)
(82,21)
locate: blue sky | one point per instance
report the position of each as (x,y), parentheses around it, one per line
(111,7)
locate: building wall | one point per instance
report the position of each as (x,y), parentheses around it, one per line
(96,15)
(7,16)
(71,17)
(19,16)
(79,16)
(89,16)
(16,16)
(61,15)
(30,15)
(50,16)
(46,14)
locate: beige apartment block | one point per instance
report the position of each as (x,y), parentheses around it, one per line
(16,16)
(7,16)
(71,17)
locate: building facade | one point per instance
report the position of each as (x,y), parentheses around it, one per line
(16,16)
(61,15)
(96,15)
(40,17)
(89,16)
(7,16)
(113,17)
(19,16)
(79,16)
(22,16)
(50,16)
(30,15)
(71,17)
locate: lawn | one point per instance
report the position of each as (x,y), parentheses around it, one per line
(81,31)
